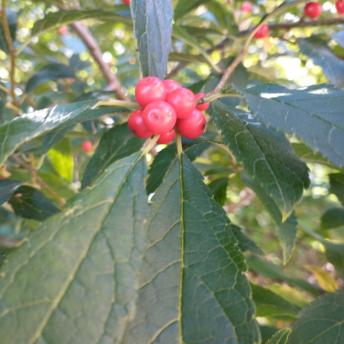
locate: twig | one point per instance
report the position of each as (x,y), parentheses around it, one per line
(177,69)
(272,27)
(239,58)
(4,89)
(302,23)
(13,107)
(86,36)
(37,180)
(289,26)
(11,50)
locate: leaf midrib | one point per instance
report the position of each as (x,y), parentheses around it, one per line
(182,246)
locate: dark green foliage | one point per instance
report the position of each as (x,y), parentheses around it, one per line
(321,322)
(296,111)
(32,204)
(153,29)
(115,144)
(232,238)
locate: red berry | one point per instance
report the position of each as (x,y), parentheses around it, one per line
(340,6)
(193,126)
(202,106)
(126,2)
(171,85)
(246,7)
(149,89)
(87,146)
(262,32)
(312,9)
(183,101)
(137,126)
(159,117)
(166,138)
(63,30)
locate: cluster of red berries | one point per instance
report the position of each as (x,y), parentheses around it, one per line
(126,2)
(311,10)
(166,108)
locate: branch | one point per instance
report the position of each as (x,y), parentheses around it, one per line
(11,50)
(288,26)
(302,23)
(86,36)
(239,58)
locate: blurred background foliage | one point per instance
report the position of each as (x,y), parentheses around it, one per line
(54,66)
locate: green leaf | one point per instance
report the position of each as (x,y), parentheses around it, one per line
(335,254)
(181,34)
(159,167)
(224,17)
(308,155)
(31,203)
(55,19)
(334,251)
(218,188)
(321,322)
(337,185)
(313,114)
(27,127)
(267,332)
(280,337)
(323,56)
(115,144)
(266,156)
(339,38)
(50,72)
(7,188)
(47,141)
(184,7)
(245,243)
(332,218)
(61,157)
(12,23)
(270,304)
(192,284)
(273,271)
(164,159)
(9,236)
(75,280)
(287,230)
(153,29)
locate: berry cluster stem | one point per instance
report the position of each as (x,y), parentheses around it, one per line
(179,145)
(150,144)
(210,98)
(117,102)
